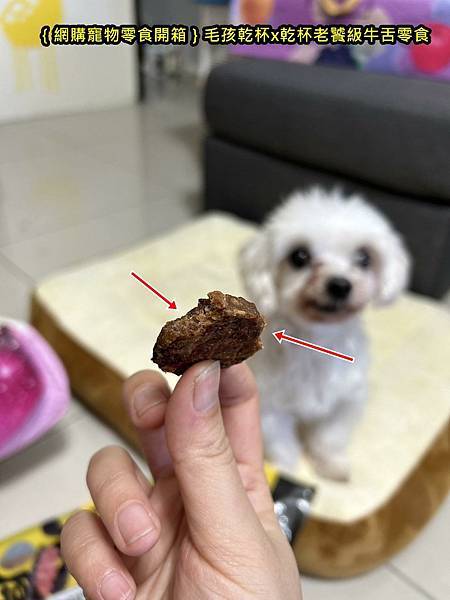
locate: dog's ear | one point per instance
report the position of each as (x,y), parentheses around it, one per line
(395,266)
(256,272)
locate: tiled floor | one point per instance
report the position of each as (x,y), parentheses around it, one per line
(72,188)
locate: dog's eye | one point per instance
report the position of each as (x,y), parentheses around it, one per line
(363,258)
(300,257)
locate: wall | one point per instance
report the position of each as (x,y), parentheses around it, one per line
(35,81)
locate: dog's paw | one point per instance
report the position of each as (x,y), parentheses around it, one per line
(284,456)
(335,467)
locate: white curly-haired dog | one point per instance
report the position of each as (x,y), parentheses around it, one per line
(319,259)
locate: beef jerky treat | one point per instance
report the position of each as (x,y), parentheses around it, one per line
(222,328)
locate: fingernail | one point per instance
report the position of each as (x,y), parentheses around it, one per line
(146,397)
(134,523)
(206,387)
(115,587)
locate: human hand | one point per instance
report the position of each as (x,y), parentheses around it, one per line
(207,527)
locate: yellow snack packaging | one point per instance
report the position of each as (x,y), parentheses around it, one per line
(31,565)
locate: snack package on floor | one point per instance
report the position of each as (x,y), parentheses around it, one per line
(32,568)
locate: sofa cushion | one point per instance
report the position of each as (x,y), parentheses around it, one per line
(387,131)
(249,184)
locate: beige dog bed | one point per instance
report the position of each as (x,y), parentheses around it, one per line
(104,324)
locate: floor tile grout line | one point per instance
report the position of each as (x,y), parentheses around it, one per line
(406,579)
(97,255)
(14,269)
(55,431)
(67,142)
(64,142)
(58,428)
(95,219)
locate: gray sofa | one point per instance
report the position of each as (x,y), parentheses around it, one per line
(276,126)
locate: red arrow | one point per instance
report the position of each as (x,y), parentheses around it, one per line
(280,336)
(170,304)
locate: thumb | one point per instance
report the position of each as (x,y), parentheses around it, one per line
(217,507)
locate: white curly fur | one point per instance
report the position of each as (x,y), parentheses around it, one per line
(310,400)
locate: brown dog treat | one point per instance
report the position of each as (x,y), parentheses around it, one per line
(224,328)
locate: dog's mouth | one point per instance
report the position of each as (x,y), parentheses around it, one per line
(330,308)
(327,311)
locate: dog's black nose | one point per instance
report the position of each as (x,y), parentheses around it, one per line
(339,288)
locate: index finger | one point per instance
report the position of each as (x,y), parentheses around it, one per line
(146,394)
(239,400)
